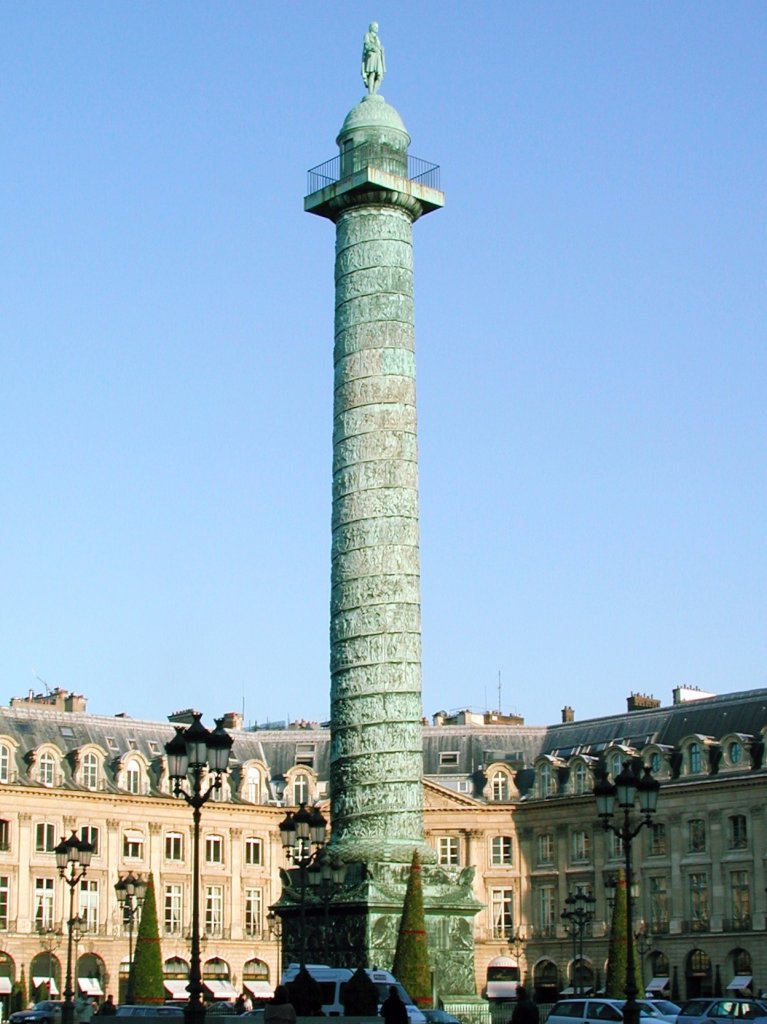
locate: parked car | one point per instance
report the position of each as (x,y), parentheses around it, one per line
(439,1017)
(697,1011)
(125,1010)
(46,1012)
(592,1011)
(652,1009)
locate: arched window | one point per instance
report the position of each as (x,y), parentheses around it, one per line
(133,777)
(616,766)
(47,768)
(544,780)
(252,787)
(5,763)
(499,786)
(693,758)
(655,762)
(580,779)
(90,771)
(735,753)
(301,788)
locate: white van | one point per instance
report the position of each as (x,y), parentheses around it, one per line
(332,979)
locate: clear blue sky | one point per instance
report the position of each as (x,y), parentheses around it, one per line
(591,313)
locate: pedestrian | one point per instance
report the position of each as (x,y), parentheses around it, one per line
(108,1009)
(240,1003)
(280,1010)
(83,1009)
(525,1012)
(393,1010)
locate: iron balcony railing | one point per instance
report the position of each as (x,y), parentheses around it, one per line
(383,158)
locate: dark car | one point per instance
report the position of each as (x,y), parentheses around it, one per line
(46,1012)
(697,1011)
(440,1017)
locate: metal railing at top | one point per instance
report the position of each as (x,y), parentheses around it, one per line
(383,158)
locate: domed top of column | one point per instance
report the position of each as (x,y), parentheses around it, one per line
(373,120)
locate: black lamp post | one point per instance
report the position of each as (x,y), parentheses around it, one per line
(49,938)
(579,912)
(303,834)
(643,944)
(73,856)
(516,944)
(130,891)
(274,924)
(628,786)
(326,879)
(192,753)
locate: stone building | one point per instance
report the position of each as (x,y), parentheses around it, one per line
(508,801)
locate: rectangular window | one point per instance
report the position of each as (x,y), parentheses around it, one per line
(738,832)
(5,835)
(44,894)
(448,759)
(214,909)
(502,912)
(4,901)
(133,845)
(88,904)
(740,899)
(658,843)
(174,846)
(581,846)
(305,753)
(5,761)
(501,851)
(90,834)
(546,848)
(214,849)
(699,902)
(658,904)
(447,850)
(174,906)
(45,837)
(615,844)
(546,909)
(253,912)
(254,851)
(696,835)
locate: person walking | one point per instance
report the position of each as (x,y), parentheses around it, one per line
(393,1010)
(525,1012)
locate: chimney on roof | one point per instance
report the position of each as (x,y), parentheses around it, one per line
(568,715)
(641,702)
(232,720)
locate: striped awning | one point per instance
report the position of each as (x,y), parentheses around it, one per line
(90,986)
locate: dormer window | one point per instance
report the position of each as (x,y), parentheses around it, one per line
(5,763)
(47,769)
(90,771)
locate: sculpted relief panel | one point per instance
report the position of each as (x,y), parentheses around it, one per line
(365,336)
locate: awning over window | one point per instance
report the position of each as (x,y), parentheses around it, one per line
(90,986)
(176,987)
(657,985)
(37,982)
(503,961)
(259,989)
(502,989)
(740,981)
(5,986)
(220,989)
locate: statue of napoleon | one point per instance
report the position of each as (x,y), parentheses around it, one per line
(373,59)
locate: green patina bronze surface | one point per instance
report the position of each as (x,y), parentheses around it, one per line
(376,785)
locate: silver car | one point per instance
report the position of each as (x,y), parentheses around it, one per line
(698,1011)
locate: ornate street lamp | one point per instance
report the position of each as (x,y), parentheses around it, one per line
(130,890)
(274,924)
(49,939)
(326,879)
(628,786)
(643,940)
(193,753)
(303,834)
(73,856)
(579,913)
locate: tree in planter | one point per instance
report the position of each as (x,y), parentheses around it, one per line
(360,996)
(411,959)
(148,978)
(617,957)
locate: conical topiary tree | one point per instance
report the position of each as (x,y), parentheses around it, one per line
(617,957)
(148,982)
(411,959)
